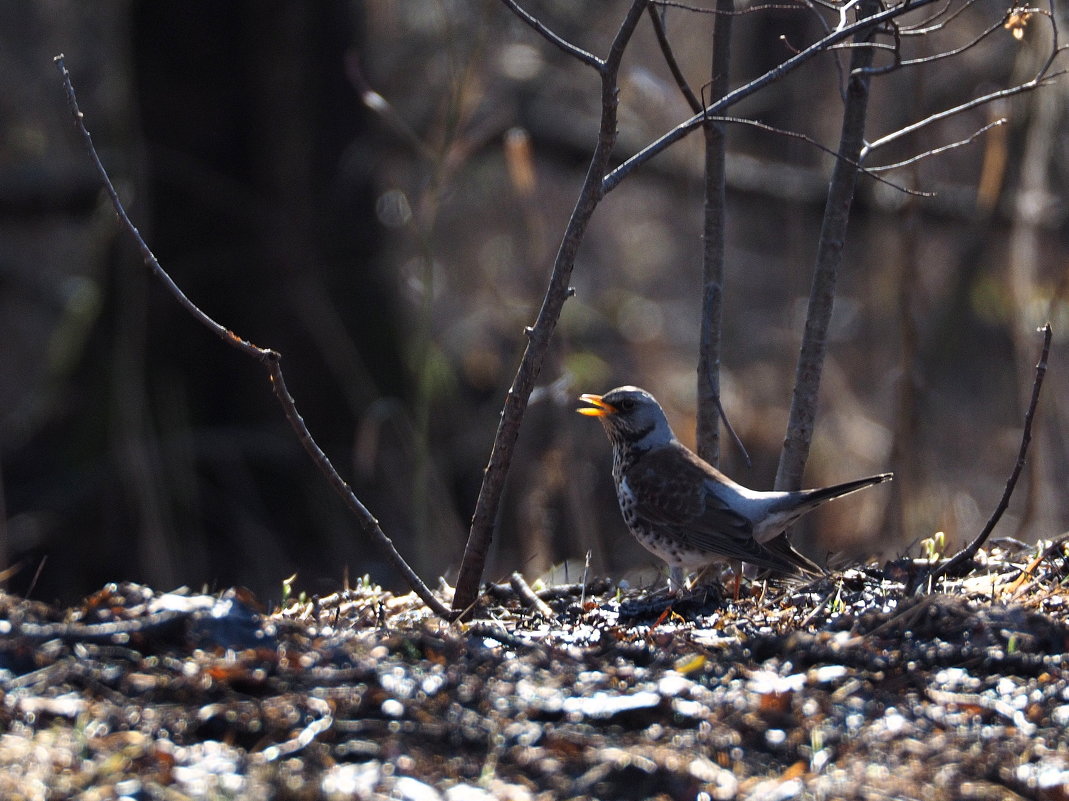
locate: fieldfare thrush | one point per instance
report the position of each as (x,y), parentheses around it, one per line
(686,511)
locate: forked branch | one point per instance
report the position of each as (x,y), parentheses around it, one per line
(888,15)
(718,107)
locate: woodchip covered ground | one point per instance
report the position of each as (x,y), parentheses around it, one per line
(839,689)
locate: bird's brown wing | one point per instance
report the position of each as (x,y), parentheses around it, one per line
(668,489)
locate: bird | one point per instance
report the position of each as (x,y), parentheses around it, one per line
(684,510)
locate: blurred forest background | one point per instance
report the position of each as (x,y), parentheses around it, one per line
(395,256)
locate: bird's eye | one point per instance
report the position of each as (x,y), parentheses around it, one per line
(626,405)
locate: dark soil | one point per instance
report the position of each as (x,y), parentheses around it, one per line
(842,688)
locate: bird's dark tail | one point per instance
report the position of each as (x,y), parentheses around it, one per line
(815,497)
(794,505)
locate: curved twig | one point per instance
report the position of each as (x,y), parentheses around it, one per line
(934,22)
(572,50)
(957,50)
(969,551)
(270,359)
(670,59)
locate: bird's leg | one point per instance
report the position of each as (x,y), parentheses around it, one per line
(675,579)
(736,568)
(736,571)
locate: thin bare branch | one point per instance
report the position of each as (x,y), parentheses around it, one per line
(220,331)
(734,435)
(1041,78)
(270,359)
(957,50)
(936,151)
(917,30)
(968,552)
(722,13)
(843,11)
(930,24)
(670,60)
(869,171)
(572,50)
(822,21)
(860,46)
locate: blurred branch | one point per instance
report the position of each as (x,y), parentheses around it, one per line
(459,136)
(710,403)
(270,359)
(385,110)
(968,552)
(539,335)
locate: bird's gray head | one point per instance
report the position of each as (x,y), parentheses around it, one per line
(631,417)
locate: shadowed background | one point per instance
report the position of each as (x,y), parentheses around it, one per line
(394,259)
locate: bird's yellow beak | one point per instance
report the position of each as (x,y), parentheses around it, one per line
(597,408)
